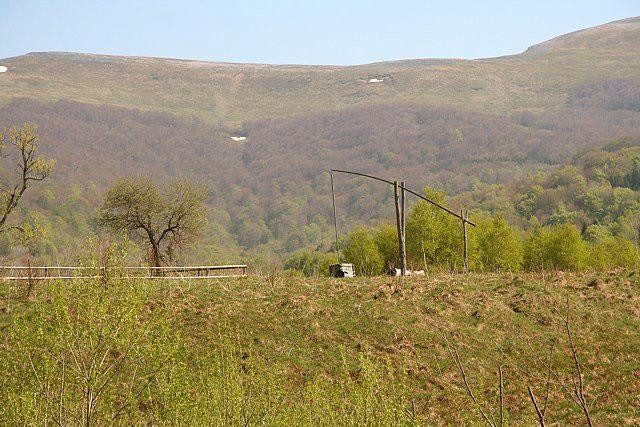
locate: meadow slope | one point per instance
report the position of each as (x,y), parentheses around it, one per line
(281,350)
(539,79)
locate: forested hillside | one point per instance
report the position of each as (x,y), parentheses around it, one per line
(525,136)
(584,215)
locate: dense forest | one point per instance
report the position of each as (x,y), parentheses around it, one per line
(270,194)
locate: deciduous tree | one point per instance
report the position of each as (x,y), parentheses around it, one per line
(361,250)
(21,144)
(167,221)
(498,245)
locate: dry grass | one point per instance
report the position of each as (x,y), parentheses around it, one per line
(324,331)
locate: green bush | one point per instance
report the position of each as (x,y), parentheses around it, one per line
(434,237)
(311,263)
(612,252)
(596,233)
(556,247)
(386,239)
(498,246)
(361,250)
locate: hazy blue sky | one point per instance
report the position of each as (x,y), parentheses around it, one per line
(297,31)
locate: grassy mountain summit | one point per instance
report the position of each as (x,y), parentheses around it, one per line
(262,137)
(540,78)
(622,33)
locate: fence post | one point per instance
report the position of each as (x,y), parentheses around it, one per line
(335,217)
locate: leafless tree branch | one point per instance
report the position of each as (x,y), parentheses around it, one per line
(456,357)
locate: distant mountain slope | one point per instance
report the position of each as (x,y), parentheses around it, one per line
(441,122)
(538,79)
(613,37)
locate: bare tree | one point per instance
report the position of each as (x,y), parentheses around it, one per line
(576,390)
(21,144)
(166,221)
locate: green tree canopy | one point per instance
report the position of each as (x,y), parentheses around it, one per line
(386,239)
(555,247)
(433,236)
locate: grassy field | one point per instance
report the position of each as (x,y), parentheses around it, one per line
(281,351)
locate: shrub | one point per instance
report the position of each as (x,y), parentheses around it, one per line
(498,246)
(386,239)
(612,252)
(361,250)
(555,247)
(310,263)
(433,236)
(596,233)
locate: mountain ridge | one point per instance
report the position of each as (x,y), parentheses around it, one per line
(231,94)
(632,22)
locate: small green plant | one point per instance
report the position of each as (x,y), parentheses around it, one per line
(311,264)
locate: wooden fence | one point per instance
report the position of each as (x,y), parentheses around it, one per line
(56,272)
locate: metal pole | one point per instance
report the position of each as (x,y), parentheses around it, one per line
(335,217)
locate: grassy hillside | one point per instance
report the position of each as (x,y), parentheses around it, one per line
(538,79)
(280,350)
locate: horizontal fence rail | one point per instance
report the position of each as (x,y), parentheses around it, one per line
(185,272)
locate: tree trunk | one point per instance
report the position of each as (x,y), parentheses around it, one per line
(156,259)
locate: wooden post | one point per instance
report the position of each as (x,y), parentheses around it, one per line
(335,217)
(464,215)
(403,218)
(396,198)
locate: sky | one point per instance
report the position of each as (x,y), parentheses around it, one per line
(297,31)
